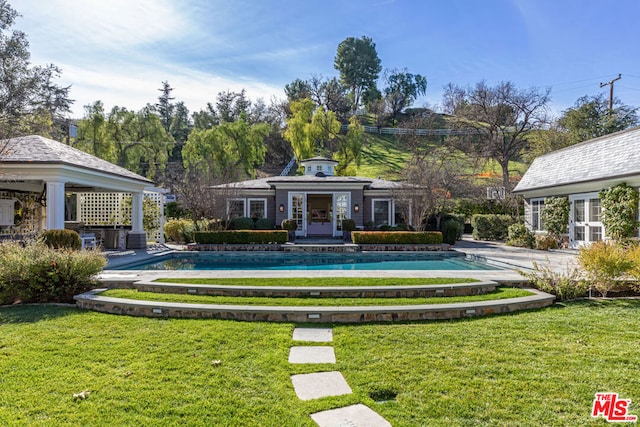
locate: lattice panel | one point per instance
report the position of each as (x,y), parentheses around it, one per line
(115,209)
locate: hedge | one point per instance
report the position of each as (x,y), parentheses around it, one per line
(240,237)
(491,227)
(397,237)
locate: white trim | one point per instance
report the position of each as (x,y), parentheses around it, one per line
(586,224)
(532,202)
(255,199)
(391,214)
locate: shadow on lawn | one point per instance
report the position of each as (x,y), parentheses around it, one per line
(31,313)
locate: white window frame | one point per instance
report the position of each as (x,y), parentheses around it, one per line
(539,207)
(391,214)
(248,206)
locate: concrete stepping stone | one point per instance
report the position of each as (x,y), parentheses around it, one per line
(320,384)
(313,334)
(352,416)
(312,354)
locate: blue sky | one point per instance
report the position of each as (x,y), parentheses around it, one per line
(119,51)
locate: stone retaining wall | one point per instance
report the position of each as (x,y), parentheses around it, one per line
(414,291)
(92,301)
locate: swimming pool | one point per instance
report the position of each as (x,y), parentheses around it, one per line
(312,261)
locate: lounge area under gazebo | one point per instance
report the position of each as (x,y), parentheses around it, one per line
(38,173)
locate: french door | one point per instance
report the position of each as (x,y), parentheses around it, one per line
(585,225)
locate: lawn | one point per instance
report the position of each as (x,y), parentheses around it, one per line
(498,294)
(313,281)
(531,368)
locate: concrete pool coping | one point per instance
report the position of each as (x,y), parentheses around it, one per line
(491,252)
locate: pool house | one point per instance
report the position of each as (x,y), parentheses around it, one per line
(318,200)
(579,172)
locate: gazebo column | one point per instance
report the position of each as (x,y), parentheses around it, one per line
(137,237)
(55,205)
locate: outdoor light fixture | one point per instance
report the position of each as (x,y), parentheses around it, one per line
(281,207)
(356,208)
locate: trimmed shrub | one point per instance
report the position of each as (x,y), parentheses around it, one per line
(544,242)
(397,237)
(289,224)
(62,239)
(240,237)
(520,236)
(491,227)
(179,230)
(264,224)
(242,223)
(348,224)
(34,272)
(605,263)
(452,229)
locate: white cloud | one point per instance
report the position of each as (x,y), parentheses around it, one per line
(136,86)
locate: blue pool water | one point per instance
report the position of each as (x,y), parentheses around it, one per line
(313,261)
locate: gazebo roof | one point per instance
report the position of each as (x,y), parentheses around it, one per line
(37,150)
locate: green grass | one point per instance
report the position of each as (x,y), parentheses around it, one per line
(531,368)
(314,281)
(499,293)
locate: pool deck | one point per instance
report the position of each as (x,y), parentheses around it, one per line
(492,252)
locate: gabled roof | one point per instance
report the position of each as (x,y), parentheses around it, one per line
(610,157)
(36,150)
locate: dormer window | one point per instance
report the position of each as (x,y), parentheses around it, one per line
(319,168)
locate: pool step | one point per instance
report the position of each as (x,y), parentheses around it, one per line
(349,314)
(405,291)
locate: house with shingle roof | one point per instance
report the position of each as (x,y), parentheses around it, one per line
(50,169)
(318,200)
(580,172)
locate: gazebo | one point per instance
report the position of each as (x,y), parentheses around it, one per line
(51,169)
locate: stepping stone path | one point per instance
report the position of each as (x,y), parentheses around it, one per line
(322,384)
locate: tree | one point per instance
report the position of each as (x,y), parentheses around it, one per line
(359,66)
(30,101)
(165,107)
(349,148)
(309,129)
(402,89)
(498,120)
(228,150)
(590,118)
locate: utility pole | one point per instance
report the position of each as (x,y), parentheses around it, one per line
(610,84)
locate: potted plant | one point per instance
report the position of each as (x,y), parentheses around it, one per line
(348,225)
(291,226)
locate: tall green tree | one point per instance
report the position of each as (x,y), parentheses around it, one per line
(359,66)
(590,118)
(349,148)
(165,107)
(402,89)
(30,100)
